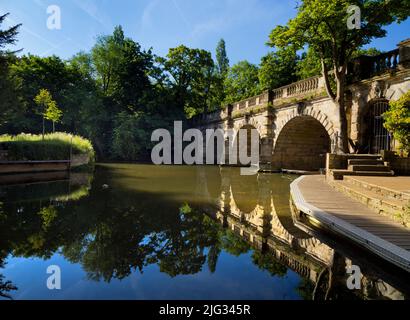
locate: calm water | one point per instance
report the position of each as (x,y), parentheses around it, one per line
(145,232)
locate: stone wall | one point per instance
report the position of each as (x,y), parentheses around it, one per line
(3,155)
(78,160)
(336,161)
(400,165)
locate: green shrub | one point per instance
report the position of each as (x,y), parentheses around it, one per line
(54,146)
(397,121)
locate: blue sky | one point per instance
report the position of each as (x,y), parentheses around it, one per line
(161,24)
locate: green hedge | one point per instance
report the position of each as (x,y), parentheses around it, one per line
(54,146)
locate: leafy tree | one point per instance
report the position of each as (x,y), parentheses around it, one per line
(106,55)
(310,65)
(133,77)
(33,73)
(242,82)
(53,113)
(131,139)
(322,25)
(192,77)
(397,121)
(278,69)
(222,60)
(48,107)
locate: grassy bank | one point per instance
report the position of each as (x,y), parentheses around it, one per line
(54,146)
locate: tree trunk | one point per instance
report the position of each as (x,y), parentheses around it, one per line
(54,127)
(342,145)
(343,140)
(43,128)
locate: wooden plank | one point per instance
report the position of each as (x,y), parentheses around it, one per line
(315,196)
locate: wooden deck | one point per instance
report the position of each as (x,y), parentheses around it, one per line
(338,212)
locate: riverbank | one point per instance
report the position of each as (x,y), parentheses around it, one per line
(25,153)
(381,235)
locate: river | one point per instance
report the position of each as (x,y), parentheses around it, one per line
(130,231)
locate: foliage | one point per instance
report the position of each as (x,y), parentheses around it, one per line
(8,36)
(278,69)
(397,121)
(309,65)
(132,135)
(55,146)
(266,262)
(221,72)
(192,78)
(242,82)
(9,100)
(222,60)
(49,108)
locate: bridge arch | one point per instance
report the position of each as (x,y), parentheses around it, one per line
(249,127)
(302,143)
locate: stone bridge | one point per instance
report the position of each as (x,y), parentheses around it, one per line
(298,123)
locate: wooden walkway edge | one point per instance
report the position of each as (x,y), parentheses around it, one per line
(349,218)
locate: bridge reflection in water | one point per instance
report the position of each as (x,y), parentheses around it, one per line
(269,223)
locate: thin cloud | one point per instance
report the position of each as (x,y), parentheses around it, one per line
(91,9)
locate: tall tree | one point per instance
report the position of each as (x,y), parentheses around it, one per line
(242,81)
(107,55)
(192,77)
(322,25)
(222,61)
(221,72)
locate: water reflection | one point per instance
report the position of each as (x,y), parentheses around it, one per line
(126,218)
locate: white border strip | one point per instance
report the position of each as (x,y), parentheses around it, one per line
(379,246)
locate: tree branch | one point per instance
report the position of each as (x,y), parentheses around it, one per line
(325,73)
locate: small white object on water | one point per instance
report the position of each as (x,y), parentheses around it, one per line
(105,186)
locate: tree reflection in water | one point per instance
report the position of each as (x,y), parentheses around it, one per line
(5,285)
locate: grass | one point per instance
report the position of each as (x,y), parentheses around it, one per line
(54,146)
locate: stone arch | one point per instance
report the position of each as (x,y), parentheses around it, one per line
(249,121)
(302,143)
(249,126)
(244,192)
(311,112)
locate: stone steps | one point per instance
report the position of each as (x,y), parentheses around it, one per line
(364,157)
(382,191)
(363,165)
(352,162)
(339,174)
(376,199)
(376,168)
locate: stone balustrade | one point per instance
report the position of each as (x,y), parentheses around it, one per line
(310,85)
(364,67)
